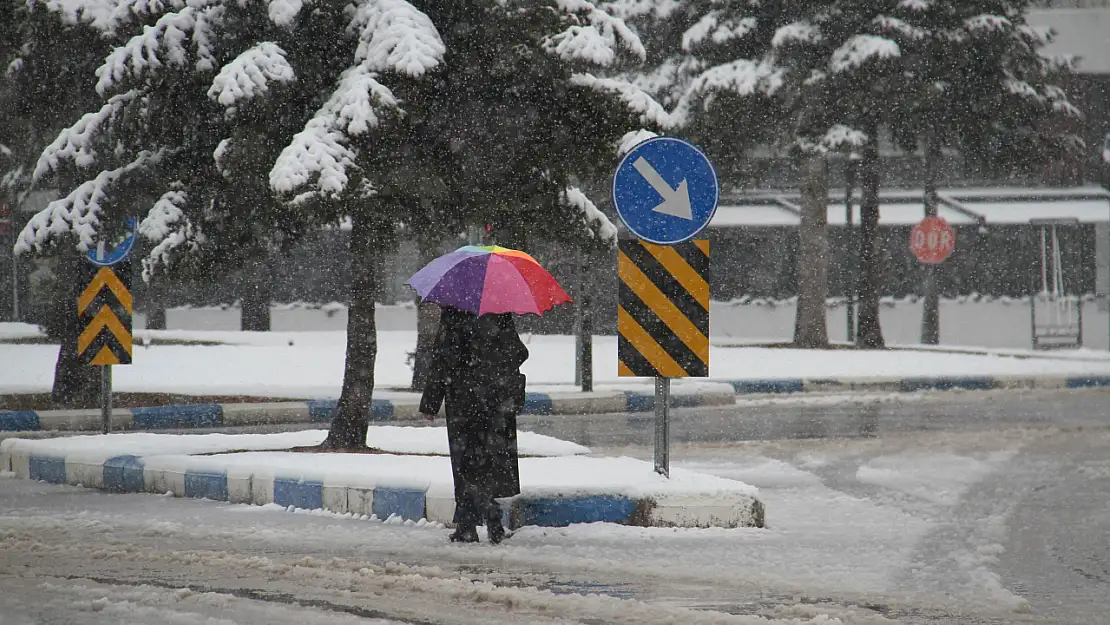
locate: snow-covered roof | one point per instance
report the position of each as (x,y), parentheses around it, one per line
(1012,213)
(742,215)
(898,214)
(959,207)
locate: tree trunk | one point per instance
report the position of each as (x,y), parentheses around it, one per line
(930,317)
(352,415)
(156,319)
(254,297)
(427,321)
(75,385)
(870,335)
(810,327)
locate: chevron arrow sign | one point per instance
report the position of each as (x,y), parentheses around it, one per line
(104,313)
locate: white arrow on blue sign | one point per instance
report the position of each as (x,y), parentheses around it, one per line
(102,257)
(665,190)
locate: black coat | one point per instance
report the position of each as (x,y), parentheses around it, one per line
(476,368)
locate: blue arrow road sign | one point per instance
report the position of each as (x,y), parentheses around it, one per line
(106,258)
(665,190)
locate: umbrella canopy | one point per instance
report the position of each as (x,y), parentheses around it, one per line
(489,279)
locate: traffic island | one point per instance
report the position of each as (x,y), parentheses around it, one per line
(561,485)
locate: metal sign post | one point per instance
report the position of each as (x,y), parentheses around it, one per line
(106,399)
(663,426)
(666,192)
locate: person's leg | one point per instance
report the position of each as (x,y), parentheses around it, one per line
(467,514)
(495,527)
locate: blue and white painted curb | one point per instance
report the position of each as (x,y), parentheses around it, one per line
(320,411)
(206,477)
(914,384)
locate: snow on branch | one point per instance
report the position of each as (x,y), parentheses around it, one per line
(250,74)
(841,136)
(667,81)
(75,143)
(796,32)
(1036,35)
(102,15)
(396,36)
(78,212)
(836,139)
(164,43)
(218,157)
(1059,101)
(320,154)
(988,23)
(632,139)
(128,11)
(594,38)
(916,5)
(168,228)
(900,27)
(740,77)
(205,33)
(860,49)
(711,27)
(283,12)
(598,224)
(1023,89)
(637,100)
(632,9)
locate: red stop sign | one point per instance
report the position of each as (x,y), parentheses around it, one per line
(932,240)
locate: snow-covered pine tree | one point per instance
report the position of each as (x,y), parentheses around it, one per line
(969,76)
(500,115)
(763,83)
(333,105)
(47,58)
(152,138)
(668,69)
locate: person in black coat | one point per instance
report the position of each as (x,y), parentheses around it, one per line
(475,367)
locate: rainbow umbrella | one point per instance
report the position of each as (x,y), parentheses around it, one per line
(489,279)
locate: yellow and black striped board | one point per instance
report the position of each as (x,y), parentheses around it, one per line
(104,314)
(663,320)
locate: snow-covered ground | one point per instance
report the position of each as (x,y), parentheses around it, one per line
(399,440)
(310,364)
(1002,322)
(910,528)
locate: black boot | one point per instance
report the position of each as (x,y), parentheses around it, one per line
(494,527)
(496,531)
(464,534)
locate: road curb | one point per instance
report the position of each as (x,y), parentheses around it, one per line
(320,411)
(184,476)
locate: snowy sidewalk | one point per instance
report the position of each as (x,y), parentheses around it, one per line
(559,484)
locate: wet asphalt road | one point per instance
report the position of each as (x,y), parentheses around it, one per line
(798,417)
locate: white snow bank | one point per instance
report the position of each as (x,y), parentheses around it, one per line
(13,330)
(310,364)
(405,440)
